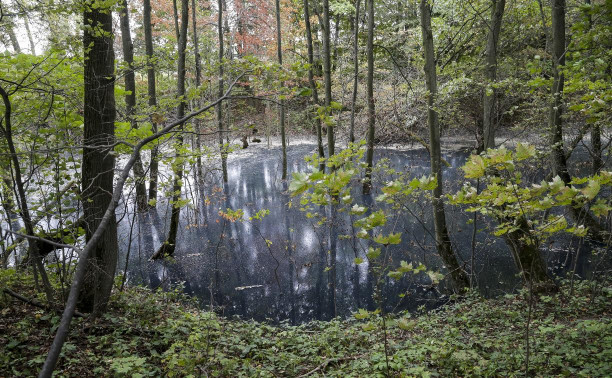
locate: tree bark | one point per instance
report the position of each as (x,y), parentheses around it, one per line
(559,160)
(152,96)
(130,101)
(281,106)
(595,129)
(556,123)
(98,161)
(527,257)
(12,36)
(169,246)
(8,204)
(367,182)
(490,96)
(336,38)
(355,70)
(29,33)
(220,126)
(443,243)
(198,79)
(327,75)
(313,84)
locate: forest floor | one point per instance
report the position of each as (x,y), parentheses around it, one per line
(164,334)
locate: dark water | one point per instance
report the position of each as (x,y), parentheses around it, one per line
(276,269)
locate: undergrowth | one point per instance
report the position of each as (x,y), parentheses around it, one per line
(159,333)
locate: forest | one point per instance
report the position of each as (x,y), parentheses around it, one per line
(293,188)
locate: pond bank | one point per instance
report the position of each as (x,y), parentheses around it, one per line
(162,333)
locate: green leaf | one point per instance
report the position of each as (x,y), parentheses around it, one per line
(524,151)
(591,190)
(299,184)
(362,314)
(475,167)
(373,253)
(335,105)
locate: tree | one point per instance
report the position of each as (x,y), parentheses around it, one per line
(220,127)
(98,161)
(130,100)
(313,84)
(490,95)
(168,247)
(556,123)
(198,80)
(367,181)
(152,95)
(443,242)
(106,221)
(33,257)
(10,30)
(281,105)
(596,128)
(355,69)
(327,75)
(559,159)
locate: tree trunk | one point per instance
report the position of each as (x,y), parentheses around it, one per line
(130,101)
(355,70)
(596,147)
(327,75)
(175,17)
(490,96)
(29,33)
(556,123)
(559,160)
(595,129)
(34,257)
(222,148)
(336,38)
(367,182)
(98,162)
(10,26)
(527,257)
(281,106)
(152,96)
(198,68)
(169,246)
(8,204)
(443,243)
(313,84)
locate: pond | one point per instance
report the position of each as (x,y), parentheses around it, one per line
(277,269)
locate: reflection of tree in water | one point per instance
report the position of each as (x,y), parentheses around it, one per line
(215,256)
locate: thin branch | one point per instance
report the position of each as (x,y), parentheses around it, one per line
(35,303)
